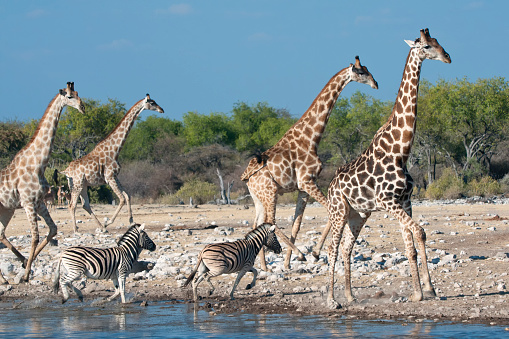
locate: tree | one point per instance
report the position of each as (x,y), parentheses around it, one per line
(351,127)
(145,135)
(201,130)
(259,126)
(13,138)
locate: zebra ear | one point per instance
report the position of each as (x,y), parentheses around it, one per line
(272,228)
(142,227)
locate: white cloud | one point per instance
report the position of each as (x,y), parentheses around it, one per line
(177,9)
(36,13)
(116,45)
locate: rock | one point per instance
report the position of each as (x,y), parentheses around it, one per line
(501,255)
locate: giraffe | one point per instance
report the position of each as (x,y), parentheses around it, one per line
(378,179)
(101,166)
(22,183)
(293,163)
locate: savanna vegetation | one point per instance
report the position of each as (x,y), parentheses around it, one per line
(460,147)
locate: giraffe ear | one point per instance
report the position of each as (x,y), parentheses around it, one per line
(410,43)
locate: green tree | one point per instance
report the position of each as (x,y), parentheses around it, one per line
(145,135)
(201,130)
(13,138)
(259,126)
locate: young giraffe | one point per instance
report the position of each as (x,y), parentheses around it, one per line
(101,166)
(22,183)
(293,163)
(378,179)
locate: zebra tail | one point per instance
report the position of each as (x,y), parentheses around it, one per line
(56,277)
(193,273)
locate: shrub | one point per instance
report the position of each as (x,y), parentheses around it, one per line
(200,191)
(448,186)
(485,186)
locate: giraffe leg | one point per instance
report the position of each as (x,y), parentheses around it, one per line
(123,198)
(312,189)
(319,246)
(302,199)
(337,218)
(350,234)
(32,218)
(408,226)
(5,217)
(42,210)
(86,206)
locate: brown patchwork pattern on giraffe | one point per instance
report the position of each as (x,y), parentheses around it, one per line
(293,163)
(378,179)
(101,166)
(22,183)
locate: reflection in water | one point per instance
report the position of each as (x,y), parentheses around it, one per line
(189,320)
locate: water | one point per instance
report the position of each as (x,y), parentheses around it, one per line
(162,320)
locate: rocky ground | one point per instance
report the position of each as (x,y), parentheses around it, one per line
(468,254)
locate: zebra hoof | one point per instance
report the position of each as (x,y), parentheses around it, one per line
(64,301)
(80,299)
(248,287)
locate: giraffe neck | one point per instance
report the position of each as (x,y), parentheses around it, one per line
(310,127)
(397,135)
(116,139)
(39,147)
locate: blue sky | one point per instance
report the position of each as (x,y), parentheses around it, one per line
(205,56)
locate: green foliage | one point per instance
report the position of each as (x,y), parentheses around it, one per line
(485,187)
(200,191)
(145,135)
(259,126)
(13,138)
(351,127)
(209,129)
(448,186)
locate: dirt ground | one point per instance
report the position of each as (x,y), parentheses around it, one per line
(468,246)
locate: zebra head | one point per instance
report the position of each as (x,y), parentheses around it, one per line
(144,241)
(271,241)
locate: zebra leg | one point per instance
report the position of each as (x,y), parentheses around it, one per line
(210,284)
(239,276)
(121,281)
(117,289)
(255,274)
(195,283)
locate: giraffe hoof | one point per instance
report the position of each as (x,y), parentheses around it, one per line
(416,297)
(248,287)
(301,257)
(430,293)
(316,256)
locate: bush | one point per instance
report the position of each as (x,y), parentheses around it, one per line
(485,186)
(448,186)
(200,191)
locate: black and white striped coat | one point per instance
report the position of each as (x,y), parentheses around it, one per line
(230,257)
(102,263)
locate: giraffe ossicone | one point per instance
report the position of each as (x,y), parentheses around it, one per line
(379,180)
(22,183)
(293,163)
(101,166)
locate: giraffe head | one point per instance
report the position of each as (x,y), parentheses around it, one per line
(429,48)
(361,74)
(151,105)
(71,97)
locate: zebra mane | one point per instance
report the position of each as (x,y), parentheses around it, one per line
(258,229)
(129,231)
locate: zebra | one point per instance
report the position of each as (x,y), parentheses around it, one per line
(102,263)
(231,257)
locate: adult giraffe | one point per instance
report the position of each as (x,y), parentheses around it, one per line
(293,163)
(22,183)
(378,179)
(101,165)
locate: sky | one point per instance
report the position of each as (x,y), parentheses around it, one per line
(206,56)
